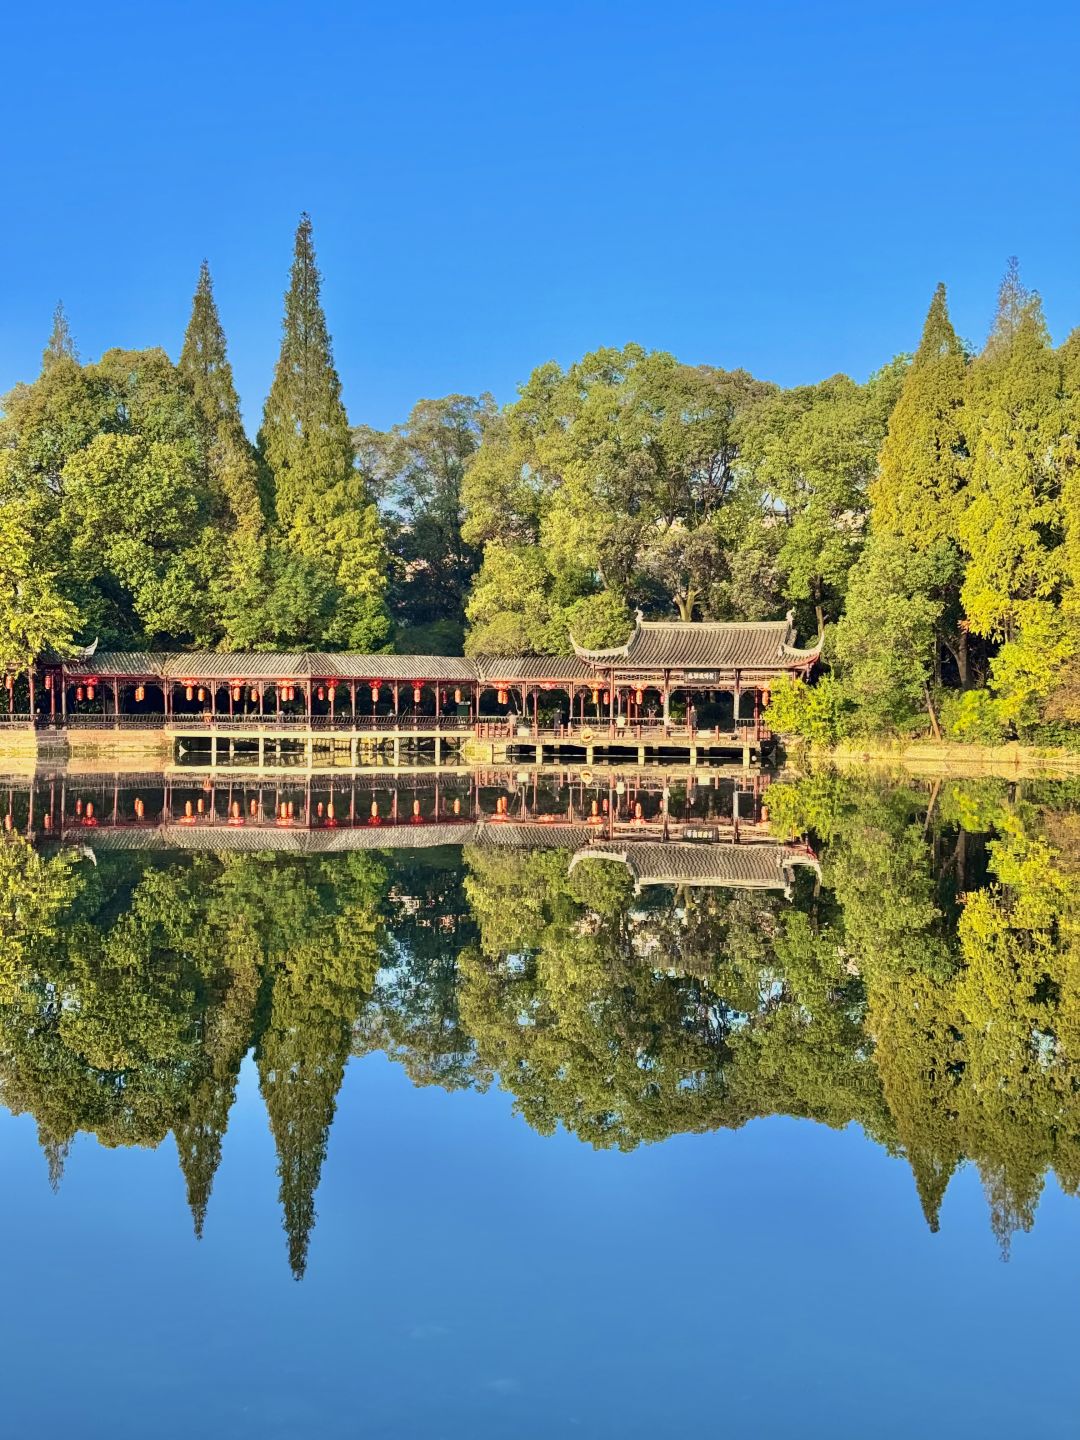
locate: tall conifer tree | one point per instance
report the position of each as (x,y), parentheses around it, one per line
(1011,528)
(919,493)
(320,499)
(205,368)
(61,341)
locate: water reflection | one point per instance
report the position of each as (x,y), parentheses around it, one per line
(629,963)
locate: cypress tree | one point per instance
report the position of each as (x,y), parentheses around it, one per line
(205,369)
(61,341)
(1011,528)
(320,500)
(919,487)
(304,440)
(918,496)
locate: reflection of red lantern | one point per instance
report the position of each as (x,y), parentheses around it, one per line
(188,810)
(457,807)
(330,810)
(78,807)
(200,806)
(416,694)
(90,809)
(416,809)
(253,809)
(374,809)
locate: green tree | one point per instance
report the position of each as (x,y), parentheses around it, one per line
(1012,527)
(417,470)
(320,500)
(34,615)
(919,493)
(204,367)
(61,343)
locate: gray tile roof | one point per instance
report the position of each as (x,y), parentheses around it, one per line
(653,645)
(673,862)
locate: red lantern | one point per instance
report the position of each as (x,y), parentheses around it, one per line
(416,694)
(764,697)
(374,694)
(457,695)
(202,694)
(254,696)
(48,682)
(639,696)
(78,692)
(236,693)
(596,697)
(140,694)
(322,692)
(89,689)
(607,697)
(503,697)
(189,692)
(331,692)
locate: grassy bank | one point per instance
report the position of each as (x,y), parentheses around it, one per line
(940,757)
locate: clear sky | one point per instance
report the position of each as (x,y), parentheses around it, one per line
(777,186)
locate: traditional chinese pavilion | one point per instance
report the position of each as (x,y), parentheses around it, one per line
(724,664)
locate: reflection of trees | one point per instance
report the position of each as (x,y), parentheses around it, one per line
(926,989)
(132,993)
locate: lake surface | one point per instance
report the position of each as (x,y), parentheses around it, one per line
(492,1106)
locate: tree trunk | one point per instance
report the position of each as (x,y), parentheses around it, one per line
(934,726)
(962,659)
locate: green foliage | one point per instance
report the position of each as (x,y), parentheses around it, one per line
(884,643)
(320,500)
(819,713)
(973,716)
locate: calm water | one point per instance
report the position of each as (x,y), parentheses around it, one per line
(492,1108)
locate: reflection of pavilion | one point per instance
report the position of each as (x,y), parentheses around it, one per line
(714,834)
(756,866)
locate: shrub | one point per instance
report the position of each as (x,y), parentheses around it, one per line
(820,712)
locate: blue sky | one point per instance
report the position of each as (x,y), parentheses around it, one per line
(777,186)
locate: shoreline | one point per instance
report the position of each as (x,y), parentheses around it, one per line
(940,757)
